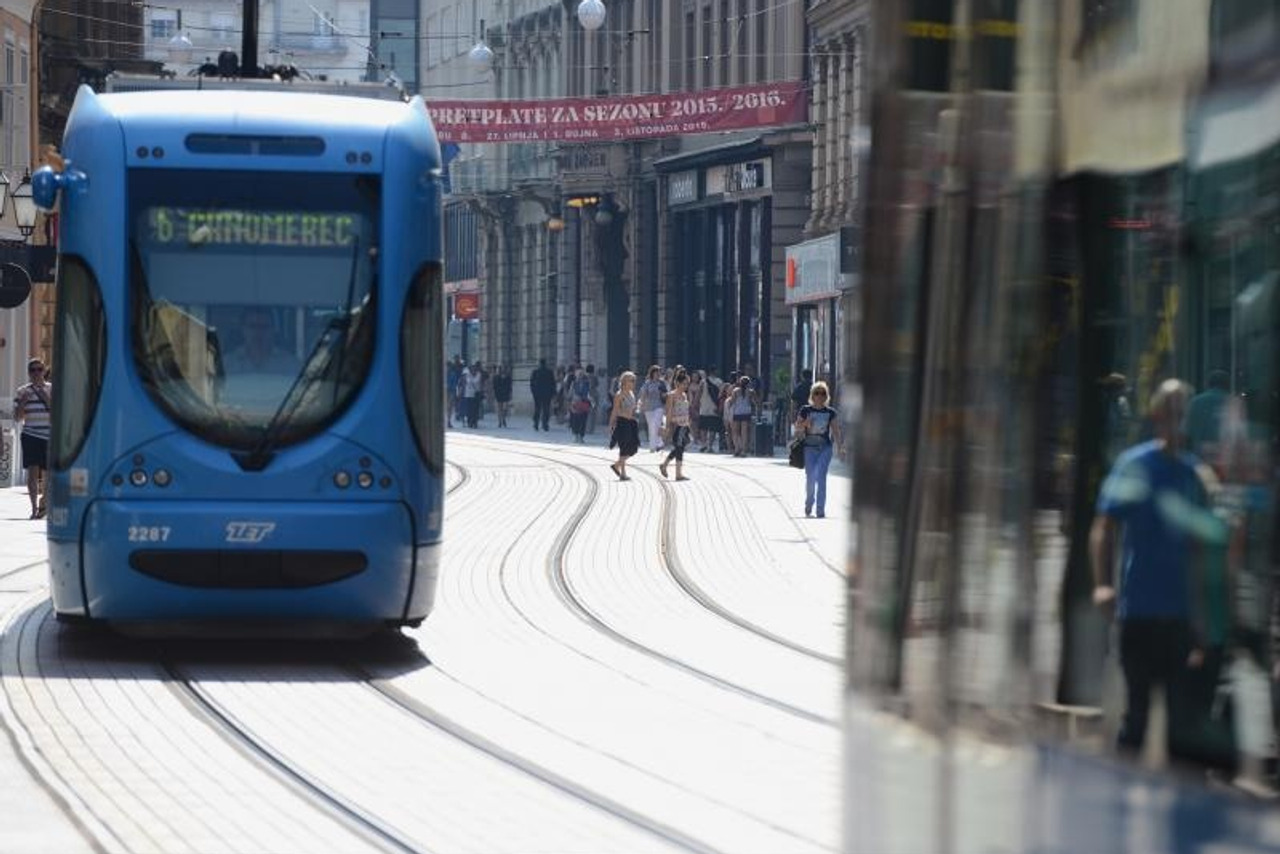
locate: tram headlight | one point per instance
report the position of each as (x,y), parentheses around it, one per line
(162,478)
(138,477)
(365,479)
(342,480)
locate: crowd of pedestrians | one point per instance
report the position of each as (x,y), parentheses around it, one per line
(678,410)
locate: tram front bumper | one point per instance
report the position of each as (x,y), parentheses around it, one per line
(279,561)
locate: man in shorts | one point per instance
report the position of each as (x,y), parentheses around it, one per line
(33,407)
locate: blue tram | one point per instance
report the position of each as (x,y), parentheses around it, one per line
(248,423)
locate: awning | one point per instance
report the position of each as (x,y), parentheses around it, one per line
(729,152)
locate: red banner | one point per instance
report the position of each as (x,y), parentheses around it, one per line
(621,117)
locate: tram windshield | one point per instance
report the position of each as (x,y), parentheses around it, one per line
(252,299)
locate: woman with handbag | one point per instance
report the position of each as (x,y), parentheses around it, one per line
(816,422)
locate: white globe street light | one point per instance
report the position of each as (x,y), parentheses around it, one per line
(180,48)
(481,56)
(591,14)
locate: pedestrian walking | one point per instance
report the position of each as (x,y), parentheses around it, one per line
(579,405)
(653,394)
(695,401)
(727,391)
(740,407)
(816,421)
(471,387)
(677,415)
(594,396)
(1158,493)
(542,385)
(33,408)
(558,399)
(452,378)
(709,412)
(624,432)
(502,393)
(800,394)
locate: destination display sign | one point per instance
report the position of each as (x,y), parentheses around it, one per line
(622,117)
(224,227)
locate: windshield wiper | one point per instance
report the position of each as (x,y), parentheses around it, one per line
(332,340)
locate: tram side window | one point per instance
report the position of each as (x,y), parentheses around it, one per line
(421,364)
(81,343)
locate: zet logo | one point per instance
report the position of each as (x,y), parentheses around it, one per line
(249,532)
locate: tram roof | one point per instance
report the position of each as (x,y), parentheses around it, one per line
(252,110)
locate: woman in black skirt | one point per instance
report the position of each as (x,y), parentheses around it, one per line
(624,432)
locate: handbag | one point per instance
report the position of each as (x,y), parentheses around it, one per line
(795,452)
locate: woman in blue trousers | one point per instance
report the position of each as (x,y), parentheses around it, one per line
(816,421)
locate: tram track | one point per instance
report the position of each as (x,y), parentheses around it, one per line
(463,477)
(809,543)
(375,830)
(675,569)
(429,716)
(413,701)
(18,570)
(370,828)
(559,576)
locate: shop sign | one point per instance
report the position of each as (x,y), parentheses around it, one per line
(737,178)
(782,102)
(682,187)
(466,306)
(590,168)
(819,268)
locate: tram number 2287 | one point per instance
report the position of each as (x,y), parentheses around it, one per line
(148,534)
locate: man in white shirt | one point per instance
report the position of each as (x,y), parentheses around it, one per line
(33,408)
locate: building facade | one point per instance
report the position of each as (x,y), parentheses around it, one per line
(821,277)
(621,254)
(329,39)
(26,329)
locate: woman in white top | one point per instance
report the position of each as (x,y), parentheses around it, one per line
(677,414)
(653,394)
(624,432)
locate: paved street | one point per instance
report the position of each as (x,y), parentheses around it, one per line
(647,666)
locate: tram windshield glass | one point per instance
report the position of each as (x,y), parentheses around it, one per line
(252,298)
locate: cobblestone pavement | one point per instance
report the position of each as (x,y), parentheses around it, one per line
(641,666)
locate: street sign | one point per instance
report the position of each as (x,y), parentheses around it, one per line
(466,306)
(15,286)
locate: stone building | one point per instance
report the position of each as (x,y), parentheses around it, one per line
(327,39)
(821,278)
(662,250)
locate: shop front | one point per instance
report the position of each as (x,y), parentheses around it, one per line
(719,251)
(821,290)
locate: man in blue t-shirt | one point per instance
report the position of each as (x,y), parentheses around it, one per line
(1156,492)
